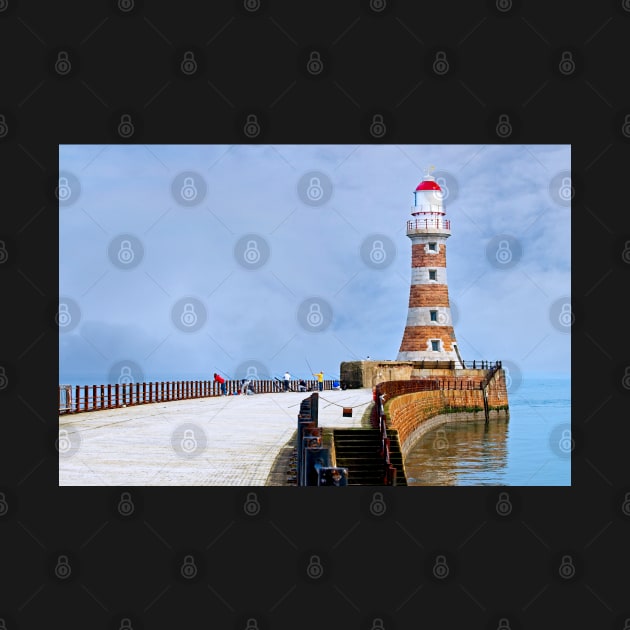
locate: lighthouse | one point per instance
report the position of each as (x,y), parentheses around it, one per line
(429,333)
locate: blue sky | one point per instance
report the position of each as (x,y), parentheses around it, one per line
(179,261)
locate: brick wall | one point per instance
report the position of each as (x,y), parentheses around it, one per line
(413,414)
(420,258)
(416,338)
(428,295)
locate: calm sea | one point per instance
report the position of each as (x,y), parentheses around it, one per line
(532,448)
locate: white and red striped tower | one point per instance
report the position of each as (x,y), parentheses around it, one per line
(429,333)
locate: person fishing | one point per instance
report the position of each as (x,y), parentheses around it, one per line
(219,379)
(320,380)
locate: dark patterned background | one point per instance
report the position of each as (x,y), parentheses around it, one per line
(314,72)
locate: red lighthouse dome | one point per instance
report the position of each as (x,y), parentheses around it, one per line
(428,184)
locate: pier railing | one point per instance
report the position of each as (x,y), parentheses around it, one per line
(456,365)
(389,470)
(78,398)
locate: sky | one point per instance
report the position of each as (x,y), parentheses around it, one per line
(179,261)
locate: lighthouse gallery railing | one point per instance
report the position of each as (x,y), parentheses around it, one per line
(435,223)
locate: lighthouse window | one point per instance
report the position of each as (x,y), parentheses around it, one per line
(432,274)
(433,247)
(435,345)
(433,316)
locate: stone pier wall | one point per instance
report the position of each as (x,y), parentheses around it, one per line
(356,374)
(412,415)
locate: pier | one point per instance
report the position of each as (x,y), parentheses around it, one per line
(235,440)
(187,438)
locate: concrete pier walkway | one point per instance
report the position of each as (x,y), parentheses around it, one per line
(219,441)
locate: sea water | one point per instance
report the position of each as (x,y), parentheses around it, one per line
(532,448)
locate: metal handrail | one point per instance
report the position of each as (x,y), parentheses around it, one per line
(428,223)
(79,398)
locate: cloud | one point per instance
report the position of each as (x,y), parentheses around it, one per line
(305,251)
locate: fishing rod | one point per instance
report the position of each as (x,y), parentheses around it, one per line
(309,366)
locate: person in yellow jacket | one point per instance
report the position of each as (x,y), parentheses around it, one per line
(320,380)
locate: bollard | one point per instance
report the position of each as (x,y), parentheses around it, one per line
(308,441)
(315,458)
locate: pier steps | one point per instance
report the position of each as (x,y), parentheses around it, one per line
(358,450)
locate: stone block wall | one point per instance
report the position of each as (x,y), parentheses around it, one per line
(369,373)
(413,414)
